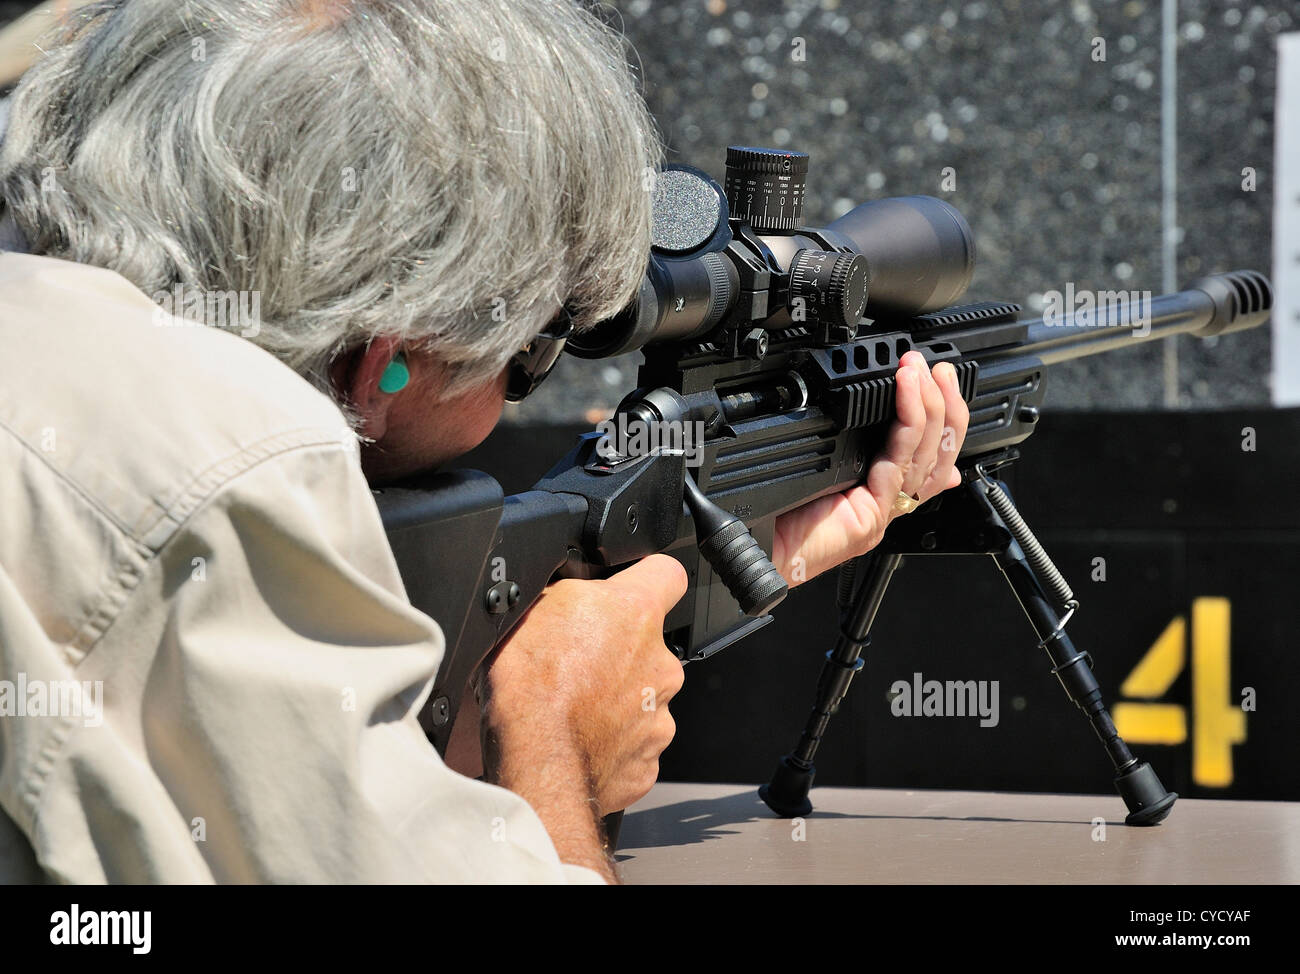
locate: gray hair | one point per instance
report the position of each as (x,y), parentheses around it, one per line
(447,172)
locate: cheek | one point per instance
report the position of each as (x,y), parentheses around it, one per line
(476,413)
(486,412)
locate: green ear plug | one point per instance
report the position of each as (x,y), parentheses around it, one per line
(396,376)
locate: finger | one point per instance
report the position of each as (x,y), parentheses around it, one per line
(667,730)
(658,580)
(956,420)
(871,517)
(927,452)
(671,678)
(909,405)
(885,477)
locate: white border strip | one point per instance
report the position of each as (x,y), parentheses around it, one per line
(1286,224)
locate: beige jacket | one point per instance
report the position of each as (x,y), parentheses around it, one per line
(209,670)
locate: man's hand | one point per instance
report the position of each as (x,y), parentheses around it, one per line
(917,460)
(576,701)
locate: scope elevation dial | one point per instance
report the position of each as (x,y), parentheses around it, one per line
(765,187)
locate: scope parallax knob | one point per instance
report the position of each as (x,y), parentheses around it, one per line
(765,187)
(827,288)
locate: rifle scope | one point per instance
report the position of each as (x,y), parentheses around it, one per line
(737,258)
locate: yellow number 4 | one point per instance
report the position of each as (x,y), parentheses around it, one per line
(1218,723)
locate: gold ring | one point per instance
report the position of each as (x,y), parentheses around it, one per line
(904,504)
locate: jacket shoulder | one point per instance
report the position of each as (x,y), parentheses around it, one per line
(138,409)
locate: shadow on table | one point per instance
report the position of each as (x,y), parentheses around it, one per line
(702,819)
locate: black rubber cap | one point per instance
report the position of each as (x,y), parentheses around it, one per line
(745,568)
(1148,802)
(787,792)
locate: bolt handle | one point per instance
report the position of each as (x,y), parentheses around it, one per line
(736,557)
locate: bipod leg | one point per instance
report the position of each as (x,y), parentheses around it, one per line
(1030,573)
(787,792)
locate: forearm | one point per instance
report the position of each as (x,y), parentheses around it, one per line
(555,782)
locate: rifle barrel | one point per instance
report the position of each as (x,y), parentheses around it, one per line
(1212,306)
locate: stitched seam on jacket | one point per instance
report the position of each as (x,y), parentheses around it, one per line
(188,496)
(198,491)
(31,787)
(192,492)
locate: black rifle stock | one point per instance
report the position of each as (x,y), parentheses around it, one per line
(780,344)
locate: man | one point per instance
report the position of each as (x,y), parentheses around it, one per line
(391,198)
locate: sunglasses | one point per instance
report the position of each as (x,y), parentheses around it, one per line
(534,362)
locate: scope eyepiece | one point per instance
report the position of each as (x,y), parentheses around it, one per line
(678,299)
